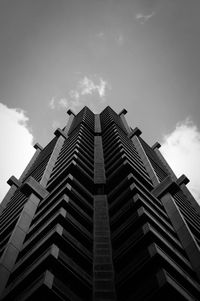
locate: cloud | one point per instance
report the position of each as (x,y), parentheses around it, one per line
(100,35)
(102,88)
(144,18)
(16,149)
(63,102)
(119,39)
(181,149)
(52,103)
(58,103)
(87,87)
(74,94)
(74,102)
(78,97)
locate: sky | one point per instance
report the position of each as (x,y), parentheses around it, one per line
(142,55)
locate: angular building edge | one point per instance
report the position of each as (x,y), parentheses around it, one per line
(103,178)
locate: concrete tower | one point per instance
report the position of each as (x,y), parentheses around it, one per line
(99,215)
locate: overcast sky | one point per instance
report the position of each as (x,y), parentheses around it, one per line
(140,55)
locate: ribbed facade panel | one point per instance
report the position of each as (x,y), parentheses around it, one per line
(99,228)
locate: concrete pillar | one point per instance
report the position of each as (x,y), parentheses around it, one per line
(62,135)
(38,148)
(17,237)
(97,124)
(99,170)
(36,192)
(70,120)
(133,135)
(103,283)
(14,187)
(123,120)
(156,147)
(149,168)
(103,287)
(52,160)
(185,235)
(183,187)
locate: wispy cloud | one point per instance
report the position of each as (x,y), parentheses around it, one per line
(120,39)
(74,100)
(52,103)
(181,148)
(100,35)
(142,18)
(63,102)
(113,36)
(58,103)
(87,90)
(20,139)
(74,94)
(101,88)
(87,86)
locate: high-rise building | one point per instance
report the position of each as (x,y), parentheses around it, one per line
(98,214)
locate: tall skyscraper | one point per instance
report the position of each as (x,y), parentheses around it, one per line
(99,215)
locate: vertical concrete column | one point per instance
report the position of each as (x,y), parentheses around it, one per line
(149,168)
(38,148)
(13,187)
(17,237)
(156,147)
(70,120)
(97,124)
(62,135)
(103,272)
(99,170)
(52,160)
(186,237)
(103,288)
(183,187)
(133,135)
(123,120)
(37,192)
(190,197)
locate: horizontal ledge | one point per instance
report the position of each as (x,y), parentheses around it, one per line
(123,112)
(135,132)
(38,146)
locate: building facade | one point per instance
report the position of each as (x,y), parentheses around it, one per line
(98,214)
